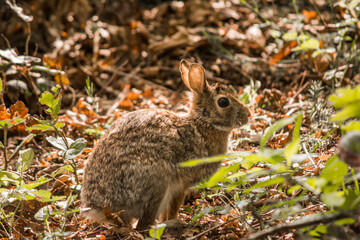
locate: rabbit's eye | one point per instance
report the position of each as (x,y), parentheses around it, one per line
(223,102)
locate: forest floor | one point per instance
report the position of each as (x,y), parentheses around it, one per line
(278,57)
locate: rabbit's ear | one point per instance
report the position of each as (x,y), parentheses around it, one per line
(197,81)
(184,69)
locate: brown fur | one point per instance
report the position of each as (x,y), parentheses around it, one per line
(135,165)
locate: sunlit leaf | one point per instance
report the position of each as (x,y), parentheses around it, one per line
(271,181)
(293,146)
(9,177)
(350,110)
(290,36)
(37,183)
(333,199)
(1,85)
(334,170)
(221,175)
(52,100)
(26,157)
(59,143)
(275,127)
(343,96)
(354,125)
(195,162)
(310,43)
(75,149)
(44,213)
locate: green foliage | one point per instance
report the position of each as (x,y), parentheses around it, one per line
(52,101)
(309,43)
(251,175)
(71,151)
(274,128)
(157,231)
(26,157)
(346,100)
(293,147)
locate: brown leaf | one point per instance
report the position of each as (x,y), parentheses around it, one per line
(18,110)
(309,15)
(3,112)
(285,51)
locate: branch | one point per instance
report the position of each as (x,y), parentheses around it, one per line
(302,223)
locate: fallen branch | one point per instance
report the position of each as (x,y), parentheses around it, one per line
(302,223)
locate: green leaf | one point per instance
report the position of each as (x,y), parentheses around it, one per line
(354,125)
(26,157)
(293,147)
(46,125)
(221,175)
(290,36)
(349,111)
(38,182)
(44,213)
(53,101)
(1,85)
(345,221)
(195,162)
(271,181)
(310,43)
(41,127)
(157,231)
(9,177)
(59,142)
(274,128)
(75,148)
(9,123)
(334,170)
(344,96)
(333,199)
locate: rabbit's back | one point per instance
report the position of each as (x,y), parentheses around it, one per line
(139,156)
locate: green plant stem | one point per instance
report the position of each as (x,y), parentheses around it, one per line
(357,189)
(5,146)
(75,171)
(17,149)
(13,216)
(3,213)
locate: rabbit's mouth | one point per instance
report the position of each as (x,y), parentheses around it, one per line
(242,120)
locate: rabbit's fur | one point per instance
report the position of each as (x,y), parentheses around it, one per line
(135,165)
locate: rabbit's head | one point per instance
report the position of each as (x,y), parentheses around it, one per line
(212,105)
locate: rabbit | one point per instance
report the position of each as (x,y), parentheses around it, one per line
(135,166)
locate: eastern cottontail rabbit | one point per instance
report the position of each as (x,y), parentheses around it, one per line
(135,165)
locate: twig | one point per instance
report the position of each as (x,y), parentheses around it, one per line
(318,12)
(27,39)
(301,89)
(307,153)
(118,100)
(212,228)
(301,223)
(256,10)
(6,40)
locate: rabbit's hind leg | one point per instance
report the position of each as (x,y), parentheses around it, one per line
(151,212)
(175,203)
